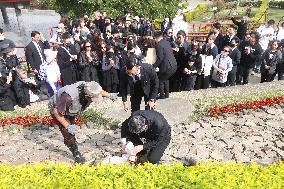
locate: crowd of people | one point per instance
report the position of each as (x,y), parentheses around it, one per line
(99,56)
(100,48)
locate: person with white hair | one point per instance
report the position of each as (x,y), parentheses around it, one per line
(69,102)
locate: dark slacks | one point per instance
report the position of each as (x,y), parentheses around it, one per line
(243,75)
(164,88)
(266,76)
(202,82)
(68,138)
(231,79)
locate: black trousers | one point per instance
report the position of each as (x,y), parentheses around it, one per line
(231,79)
(68,138)
(280,75)
(164,88)
(154,154)
(215,84)
(202,82)
(136,101)
(243,75)
(188,82)
(6,104)
(266,76)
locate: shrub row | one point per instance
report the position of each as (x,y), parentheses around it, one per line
(204,175)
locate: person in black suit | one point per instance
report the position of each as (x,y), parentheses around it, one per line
(219,37)
(150,125)
(242,26)
(235,55)
(34,51)
(66,60)
(231,33)
(166,63)
(143,82)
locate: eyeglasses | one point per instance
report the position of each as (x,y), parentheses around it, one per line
(88,46)
(226,50)
(170,32)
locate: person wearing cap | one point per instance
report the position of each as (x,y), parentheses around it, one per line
(4,41)
(215,30)
(143,82)
(69,102)
(154,128)
(242,26)
(166,63)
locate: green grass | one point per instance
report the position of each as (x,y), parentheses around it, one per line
(273,13)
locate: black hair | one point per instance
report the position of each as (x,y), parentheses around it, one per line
(158,34)
(132,61)
(235,27)
(271,22)
(256,34)
(34,33)
(66,35)
(137,124)
(181,32)
(1,30)
(237,40)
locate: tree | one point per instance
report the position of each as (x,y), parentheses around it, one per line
(149,8)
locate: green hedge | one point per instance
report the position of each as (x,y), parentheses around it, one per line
(204,175)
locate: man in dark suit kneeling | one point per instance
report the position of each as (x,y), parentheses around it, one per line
(150,125)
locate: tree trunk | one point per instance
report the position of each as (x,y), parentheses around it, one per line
(5,15)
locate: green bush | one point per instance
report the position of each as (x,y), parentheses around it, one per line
(197,12)
(204,175)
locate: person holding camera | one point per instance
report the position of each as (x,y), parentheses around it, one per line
(110,68)
(270,59)
(143,82)
(222,66)
(8,59)
(154,128)
(88,63)
(69,102)
(27,88)
(250,54)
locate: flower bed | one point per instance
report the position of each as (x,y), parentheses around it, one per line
(41,117)
(218,110)
(171,176)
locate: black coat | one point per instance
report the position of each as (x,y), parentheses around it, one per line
(242,28)
(227,40)
(149,80)
(166,61)
(235,56)
(22,92)
(88,70)
(218,41)
(67,67)
(32,55)
(7,96)
(158,129)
